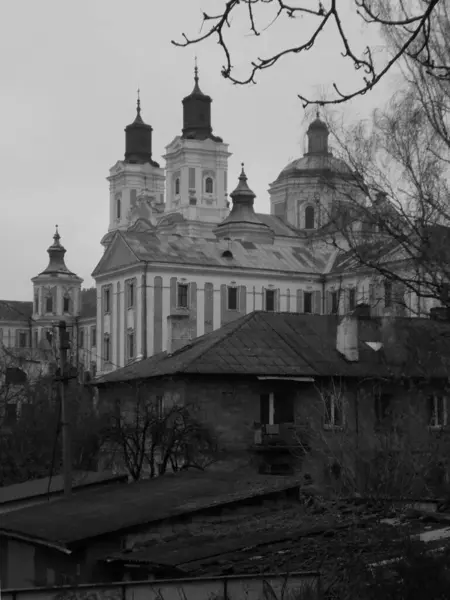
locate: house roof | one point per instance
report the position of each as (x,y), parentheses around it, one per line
(190,251)
(291,344)
(40,487)
(125,506)
(15,310)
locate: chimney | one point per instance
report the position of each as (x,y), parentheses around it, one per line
(347,338)
(178,332)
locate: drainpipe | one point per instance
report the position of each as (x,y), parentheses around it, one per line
(144,311)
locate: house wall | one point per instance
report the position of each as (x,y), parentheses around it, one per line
(232,408)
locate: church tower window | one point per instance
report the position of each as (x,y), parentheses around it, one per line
(177,186)
(49,304)
(118,208)
(66,303)
(309,217)
(209,185)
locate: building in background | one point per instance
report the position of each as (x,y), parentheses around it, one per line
(179,261)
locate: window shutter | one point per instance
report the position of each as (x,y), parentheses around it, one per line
(264,408)
(300,301)
(317,309)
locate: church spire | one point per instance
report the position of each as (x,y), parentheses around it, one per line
(138,139)
(56,254)
(197,112)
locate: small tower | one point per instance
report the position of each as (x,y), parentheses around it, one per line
(318,138)
(197,163)
(129,177)
(242,223)
(57,290)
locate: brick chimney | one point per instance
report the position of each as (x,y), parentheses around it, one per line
(347,338)
(178,332)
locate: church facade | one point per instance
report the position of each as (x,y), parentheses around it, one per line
(183,256)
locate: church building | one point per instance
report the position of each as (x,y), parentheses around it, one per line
(183,256)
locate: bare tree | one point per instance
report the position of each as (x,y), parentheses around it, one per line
(149,439)
(414,25)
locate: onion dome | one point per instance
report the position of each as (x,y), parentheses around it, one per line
(138,140)
(242,222)
(197,114)
(56,252)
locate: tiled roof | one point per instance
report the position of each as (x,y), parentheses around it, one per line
(175,249)
(291,344)
(123,506)
(39,487)
(278,226)
(363,256)
(15,310)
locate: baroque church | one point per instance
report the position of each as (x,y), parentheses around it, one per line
(183,256)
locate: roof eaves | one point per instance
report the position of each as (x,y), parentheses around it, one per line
(8,533)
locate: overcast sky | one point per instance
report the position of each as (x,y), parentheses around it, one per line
(69,75)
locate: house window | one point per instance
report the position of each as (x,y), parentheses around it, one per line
(334,414)
(437,411)
(351,298)
(209,185)
(22,339)
(130,344)
(93,337)
(309,217)
(307,302)
(177,186)
(66,304)
(276,408)
(130,294)
(387,294)
(118,208)
(107,300)
(232,298)
(82,337)
(49,304)
(182,295)
(36,339)
(334,303)
(159,407)
(382,406)
(106,348)
(270,300)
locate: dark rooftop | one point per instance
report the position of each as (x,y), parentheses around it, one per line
(15,310)
(40,487)
(125,506)
(291,344)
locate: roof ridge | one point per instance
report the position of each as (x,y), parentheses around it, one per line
(238,323)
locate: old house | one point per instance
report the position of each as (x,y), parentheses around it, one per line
(326,397)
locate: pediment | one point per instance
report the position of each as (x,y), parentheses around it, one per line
(117,255)
(142,225)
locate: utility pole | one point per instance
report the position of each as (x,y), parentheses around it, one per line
(64,345)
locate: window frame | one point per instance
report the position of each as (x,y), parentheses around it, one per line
(311,299)
(81,340)
(329,417)
(107,347)
(352,298)
(177,186)
(107,300)
(131,293)
(159,401)
(208,180)
(308,210)
(49,299)
(334,302)
(36,302)
(387,293)
(93,336)
(274,297)
(271,406)
(67,298)
(118,208)
(182,285)
(131,344)
(236,291)
(433,424)
(23,335)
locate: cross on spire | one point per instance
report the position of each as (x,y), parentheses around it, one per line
(196,70)
(138,101)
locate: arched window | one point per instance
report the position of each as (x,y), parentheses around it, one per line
(118,208)
(309,217)
(209,185)
(49,303)
(177,186)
